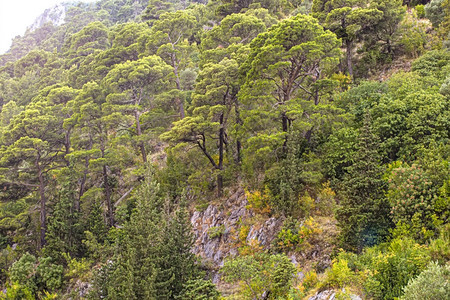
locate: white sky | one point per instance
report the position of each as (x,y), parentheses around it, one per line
(16,15)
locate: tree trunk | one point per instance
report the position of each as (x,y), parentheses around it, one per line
(108,197)
(285,125)
(219,185)
(238,141)
(221,146)
(107,190)
(139,133)
(177,81)
(43,210)
(349,46)
(84,179)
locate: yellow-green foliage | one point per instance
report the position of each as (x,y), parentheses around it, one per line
(391,266)
(261,273)
(306,204)
(16,291)
(243,233)
(258,201)
(294,234)
(310,280)
(216,231)
(326,199)
(339,275)
(77,269)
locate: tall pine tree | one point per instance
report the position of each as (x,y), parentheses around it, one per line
(363,214)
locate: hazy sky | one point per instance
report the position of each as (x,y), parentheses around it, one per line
(16,15)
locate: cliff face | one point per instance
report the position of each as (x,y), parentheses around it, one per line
(55,15)
(221,229)
(224,228)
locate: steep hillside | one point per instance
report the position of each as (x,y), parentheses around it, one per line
(227,149)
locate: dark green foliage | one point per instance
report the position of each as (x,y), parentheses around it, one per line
(250,94)
(199,289)
(152,256)
(363,214)
(36,275)
(411,195)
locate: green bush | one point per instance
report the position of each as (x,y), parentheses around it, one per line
(434,12)
(23,271)
(260,274)
(420,9)
(433,63)
(414,36)
(216,231)
(445,87)
(36,274)
(392,268)
(199,289)
(410,192)
(17,291)
(49,275)
(339,275)
(440,248)
(431,284)
(293,233)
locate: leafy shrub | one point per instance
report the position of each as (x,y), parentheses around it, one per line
(434,12)
(49,275)
(306,204)
(23,271)
(433,63)
(431,284)
(258,201)
(414,36)
(36,275)
(339,275)
(440,248)
(260,274)
(326,200)
(216,231)
(17,291)
(310,280)
(420,9)
(390,269)
(411,193)
(77,268)
(293,234)
(445,87)
(243,233)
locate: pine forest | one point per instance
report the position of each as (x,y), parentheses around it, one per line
(228,149)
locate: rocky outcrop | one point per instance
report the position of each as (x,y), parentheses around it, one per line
(331,295)
(55,15)
(218,227)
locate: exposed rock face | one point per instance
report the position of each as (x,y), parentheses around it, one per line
(324,295)
(331,295)
(228,219)
(55,14)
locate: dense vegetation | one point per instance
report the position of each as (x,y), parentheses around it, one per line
(115,125)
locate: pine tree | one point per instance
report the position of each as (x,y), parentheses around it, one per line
(136,257)
(363,213)
(153,257)
(177,262)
